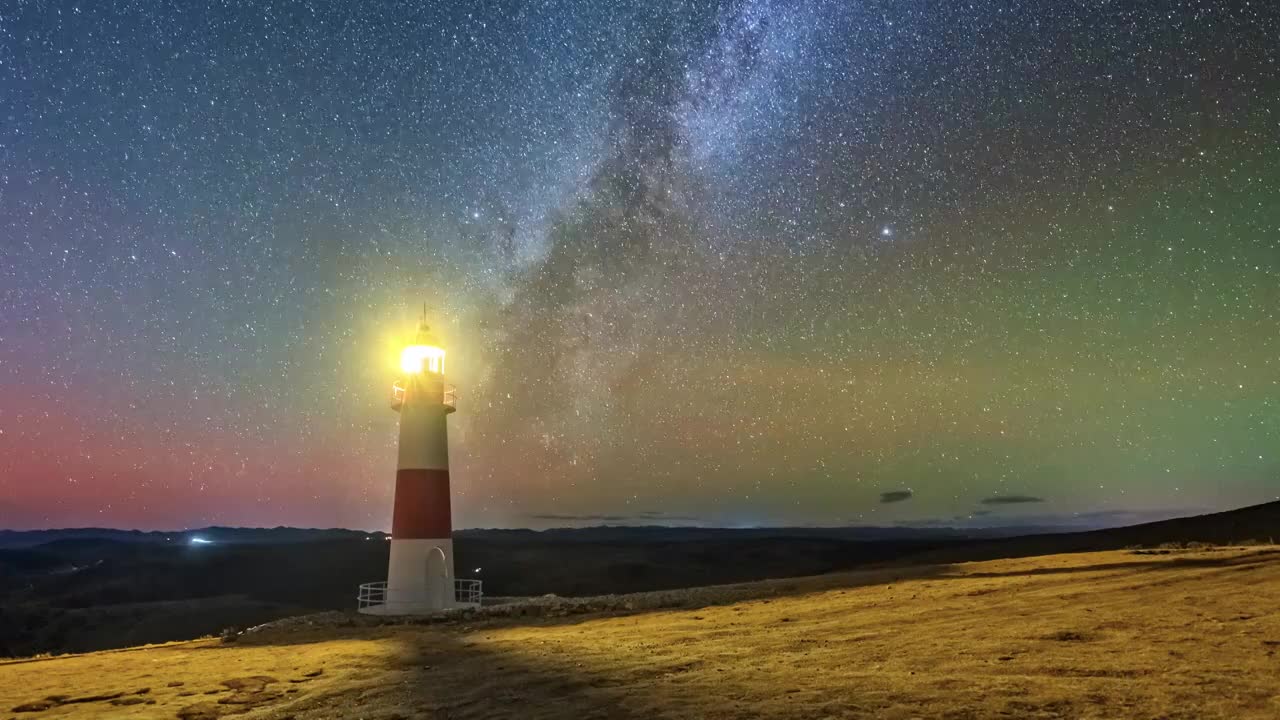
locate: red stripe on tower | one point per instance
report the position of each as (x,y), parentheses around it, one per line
(422,504)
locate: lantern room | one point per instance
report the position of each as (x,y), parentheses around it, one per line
(424,355)
(422,358)
(422,362)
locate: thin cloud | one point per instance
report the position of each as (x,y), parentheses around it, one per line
(894,496)
(1011,500)
(649,514)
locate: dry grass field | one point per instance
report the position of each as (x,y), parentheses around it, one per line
(1184,634)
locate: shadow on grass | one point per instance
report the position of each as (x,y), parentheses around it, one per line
(449,676)
(449,671)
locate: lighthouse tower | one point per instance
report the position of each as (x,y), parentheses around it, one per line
(420,571)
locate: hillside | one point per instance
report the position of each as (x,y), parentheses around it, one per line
(1256,522)
(1168,634)
(77,597)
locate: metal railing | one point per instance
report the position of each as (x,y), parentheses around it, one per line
(468,591)
(449,398)
(465,592)
(371,594)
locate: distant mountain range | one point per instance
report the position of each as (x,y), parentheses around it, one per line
(1255,522)
(602,533)
(33,538)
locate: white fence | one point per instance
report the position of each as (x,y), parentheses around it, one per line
(465,592)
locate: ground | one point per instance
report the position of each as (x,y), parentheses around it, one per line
(1181,634)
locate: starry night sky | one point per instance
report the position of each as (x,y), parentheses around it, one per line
(751,263)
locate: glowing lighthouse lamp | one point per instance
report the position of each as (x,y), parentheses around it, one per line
(420,571)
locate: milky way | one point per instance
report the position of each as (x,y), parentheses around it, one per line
(755,262)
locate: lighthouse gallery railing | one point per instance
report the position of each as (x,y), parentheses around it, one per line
(449,399)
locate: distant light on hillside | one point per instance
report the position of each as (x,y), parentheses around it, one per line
(197,540)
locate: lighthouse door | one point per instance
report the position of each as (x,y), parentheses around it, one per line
(439,585)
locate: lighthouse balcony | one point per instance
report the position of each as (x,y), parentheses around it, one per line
(449,398)
(372,599)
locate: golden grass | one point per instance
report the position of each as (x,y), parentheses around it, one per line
(1101,635)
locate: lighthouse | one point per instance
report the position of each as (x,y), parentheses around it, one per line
(420,575)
